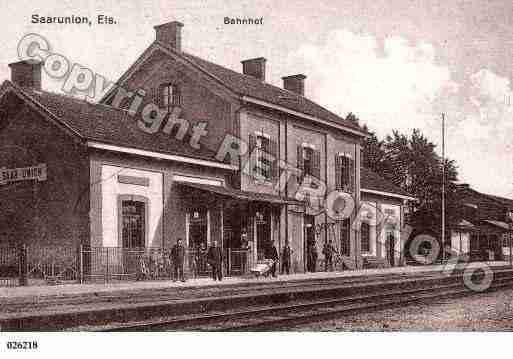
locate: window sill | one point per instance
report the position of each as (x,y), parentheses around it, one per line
(263,182)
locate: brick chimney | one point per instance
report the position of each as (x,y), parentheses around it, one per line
(295,83)
(254,67)
(26,74)
(170,34)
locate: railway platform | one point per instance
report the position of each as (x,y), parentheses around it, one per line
(61,290)
(62,307)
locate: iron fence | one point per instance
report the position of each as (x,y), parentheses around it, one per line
(116,263)
(9,266)
(36,265)
(51,264)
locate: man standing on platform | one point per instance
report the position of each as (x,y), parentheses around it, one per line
(311,256)
(273,254)
(285,258)
(178,256)
(328,252)
(215,259)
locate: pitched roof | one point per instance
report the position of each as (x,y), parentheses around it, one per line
(500,224)
(505,201)
(370,180)
(476,196)
(246,85)
(106,124)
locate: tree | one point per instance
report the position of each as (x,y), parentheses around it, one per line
(411,162)
(352,117)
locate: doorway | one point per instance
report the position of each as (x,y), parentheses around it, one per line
(310,245)
(263,231)
(390,247)
(133,224)
(133,235)
(198,229)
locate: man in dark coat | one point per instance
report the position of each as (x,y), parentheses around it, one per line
(215,259)
(312,257)
(285,258)
(178,257)
(328,250)
(273,254)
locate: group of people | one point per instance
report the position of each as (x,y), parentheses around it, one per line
(214,260)
(329,251)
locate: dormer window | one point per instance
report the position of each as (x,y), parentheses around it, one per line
(169,96)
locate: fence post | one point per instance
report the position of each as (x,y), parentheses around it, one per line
(80,264)
(22,263)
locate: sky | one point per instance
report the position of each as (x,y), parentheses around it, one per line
(395,64)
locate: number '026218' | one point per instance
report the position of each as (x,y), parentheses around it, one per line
(22,345)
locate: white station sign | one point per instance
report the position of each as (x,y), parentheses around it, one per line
(23,174)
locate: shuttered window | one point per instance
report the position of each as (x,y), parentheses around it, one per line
(309,161)
(344,173)
(261,166)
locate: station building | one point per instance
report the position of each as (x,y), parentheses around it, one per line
(114,180)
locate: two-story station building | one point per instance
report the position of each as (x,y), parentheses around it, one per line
(202,174)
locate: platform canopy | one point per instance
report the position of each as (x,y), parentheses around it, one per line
(499,224)
(240,195)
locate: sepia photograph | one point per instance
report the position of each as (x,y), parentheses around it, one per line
(254,167)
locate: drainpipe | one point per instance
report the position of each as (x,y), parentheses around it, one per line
(326,184)
(357,204)
(287,183)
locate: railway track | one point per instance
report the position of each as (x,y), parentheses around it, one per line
(285,315)
(179,293)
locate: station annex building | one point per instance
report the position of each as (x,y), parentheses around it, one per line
(109,184)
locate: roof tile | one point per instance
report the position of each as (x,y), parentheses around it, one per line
(103,123)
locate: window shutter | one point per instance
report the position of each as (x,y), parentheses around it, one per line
(338,173)
(300,163)
(251,155)
(273,151)
(155,95)
(316,164)
(252,142)
(177,96)
(345,172)
(351,175)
